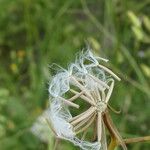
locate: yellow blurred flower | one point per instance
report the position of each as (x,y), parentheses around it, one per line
(14,68)
(10,124)
(21,53)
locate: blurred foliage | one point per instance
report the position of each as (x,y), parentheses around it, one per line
(36,33)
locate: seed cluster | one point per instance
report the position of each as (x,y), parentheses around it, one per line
(90,82)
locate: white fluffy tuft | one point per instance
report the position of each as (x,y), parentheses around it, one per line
(86,69)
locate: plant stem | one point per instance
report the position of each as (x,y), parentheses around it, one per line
(114,133)
(136,140)
(56,143)
(112,144)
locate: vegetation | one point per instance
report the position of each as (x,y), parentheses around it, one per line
(36,33)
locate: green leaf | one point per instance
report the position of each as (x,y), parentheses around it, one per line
(134,19)
(146,69)
(146,22)
(138,33)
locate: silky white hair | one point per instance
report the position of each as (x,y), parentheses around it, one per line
(85,68)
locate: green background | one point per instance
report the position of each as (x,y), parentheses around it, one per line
(37,33)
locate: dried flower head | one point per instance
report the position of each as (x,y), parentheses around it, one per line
(88,81)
